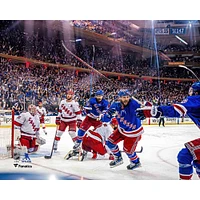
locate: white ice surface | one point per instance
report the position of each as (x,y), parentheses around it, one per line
(159,157)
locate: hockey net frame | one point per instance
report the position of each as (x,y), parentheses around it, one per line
(9,133)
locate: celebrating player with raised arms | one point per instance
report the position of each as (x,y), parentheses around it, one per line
(129,129)
(69,115)
(29,125)
(189,156)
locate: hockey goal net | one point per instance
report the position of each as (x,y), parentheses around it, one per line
(7,134)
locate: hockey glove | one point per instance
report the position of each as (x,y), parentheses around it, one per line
(147,112)
(156,111)
(58,121)
(111,112)
(87,109)
(78,123)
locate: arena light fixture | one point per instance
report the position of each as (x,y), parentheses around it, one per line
(181,39)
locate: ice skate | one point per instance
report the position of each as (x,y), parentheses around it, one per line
(117,161)
(71,153)
(82,155)
(76,145)
(132,165)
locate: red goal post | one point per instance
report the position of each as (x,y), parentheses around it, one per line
(7,133)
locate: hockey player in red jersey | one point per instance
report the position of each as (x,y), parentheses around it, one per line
(93,144)
(189,156)
(29,125)
(41,111)
(69,115)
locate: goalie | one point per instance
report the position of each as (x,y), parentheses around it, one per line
(29,125)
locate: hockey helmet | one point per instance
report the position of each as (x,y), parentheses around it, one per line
(196,87)
(40,102)
(114,121)
(122,93)
(70,92)
(32,109)
(99,93)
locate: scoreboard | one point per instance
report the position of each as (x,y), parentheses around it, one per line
(170,31)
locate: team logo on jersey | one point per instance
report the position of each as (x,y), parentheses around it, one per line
(123,113)
(32,123)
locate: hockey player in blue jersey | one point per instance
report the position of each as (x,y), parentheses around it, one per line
(95,107)
(189,156)
(129,129)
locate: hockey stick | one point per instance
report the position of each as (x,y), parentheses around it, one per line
(91,67)
(138,151)
(82,61)
(49,156)
(190,71)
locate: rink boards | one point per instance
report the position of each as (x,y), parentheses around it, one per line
(5,121)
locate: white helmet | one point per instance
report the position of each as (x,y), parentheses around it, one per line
(32,109)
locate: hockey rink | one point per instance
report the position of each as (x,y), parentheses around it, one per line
(160,148)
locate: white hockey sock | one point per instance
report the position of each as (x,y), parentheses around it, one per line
(72,135)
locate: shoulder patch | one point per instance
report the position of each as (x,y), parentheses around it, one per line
(184,101)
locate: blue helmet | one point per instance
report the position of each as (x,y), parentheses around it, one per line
(196,87)
(99,93)
(122,93)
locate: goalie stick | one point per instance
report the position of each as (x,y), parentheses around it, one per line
(49,156)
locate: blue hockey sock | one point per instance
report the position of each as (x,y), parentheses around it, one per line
(80,135)
(185,164)
(133,157)
(114,148)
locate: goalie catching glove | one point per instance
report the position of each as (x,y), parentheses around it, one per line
(148,111)
(40,140)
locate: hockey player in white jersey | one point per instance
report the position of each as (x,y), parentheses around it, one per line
(41,111)
(69,115)
(29,125)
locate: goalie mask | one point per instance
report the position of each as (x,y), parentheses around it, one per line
(32,109)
